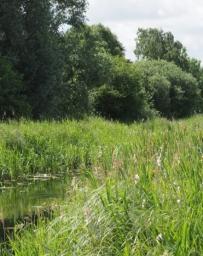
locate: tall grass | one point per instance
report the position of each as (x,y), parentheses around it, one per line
(139,192)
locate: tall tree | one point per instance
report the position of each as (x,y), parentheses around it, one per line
(39,62)
(110,40)
(11,29)
(87,65)
(30,37)
(155,44)
(13,102)
(88,49)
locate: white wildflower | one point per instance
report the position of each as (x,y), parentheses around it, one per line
(74,183)
(159,238)
(159,158)
(158,161)
(136,178)
(143,203)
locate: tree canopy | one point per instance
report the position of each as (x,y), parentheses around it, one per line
(54,65)
(155,44)
(30,38)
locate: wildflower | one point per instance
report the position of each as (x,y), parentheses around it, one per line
(74,184)
(143,203)
(159,238)
(159,158)
(136,178)
(158,161)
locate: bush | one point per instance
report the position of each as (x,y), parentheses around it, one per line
(173,92)
(161,93)
(107,102)
(123,97)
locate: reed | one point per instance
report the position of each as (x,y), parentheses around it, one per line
(138,188)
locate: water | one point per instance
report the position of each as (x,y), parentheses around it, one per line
(23,202)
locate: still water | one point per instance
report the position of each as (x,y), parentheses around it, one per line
(23,202)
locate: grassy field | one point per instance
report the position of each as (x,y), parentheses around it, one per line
(137,189)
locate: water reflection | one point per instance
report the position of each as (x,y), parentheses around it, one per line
(24,202)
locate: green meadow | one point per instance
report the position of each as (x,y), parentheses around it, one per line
(133,189)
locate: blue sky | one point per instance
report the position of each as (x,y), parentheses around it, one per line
(184,18)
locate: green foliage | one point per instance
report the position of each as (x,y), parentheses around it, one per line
(159,88)
(88,64)
(84,70)
(12,95)
(107,102)
(71,100)
(173,92)
(30,37)
(140,90)
(69,11)
(110,41)
(86,56)
(156,44)
(123,98)
(140,195)
(11,29)
(196,69)
(39,58)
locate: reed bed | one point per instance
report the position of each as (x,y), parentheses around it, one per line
(136,189)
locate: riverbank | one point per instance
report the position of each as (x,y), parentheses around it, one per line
(135,190)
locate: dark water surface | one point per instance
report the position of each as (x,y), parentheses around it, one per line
(23,202)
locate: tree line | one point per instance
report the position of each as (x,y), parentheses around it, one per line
(54,65)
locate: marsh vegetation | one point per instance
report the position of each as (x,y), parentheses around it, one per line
(133,189)
(99,154)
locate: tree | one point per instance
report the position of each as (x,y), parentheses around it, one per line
(11,30)
(85,53)
(44,49)
(89,49)
(70,12)
(88,63)
(12,100)
(155,44)
(172,92)
(30,37)
(110,41)
(123,97)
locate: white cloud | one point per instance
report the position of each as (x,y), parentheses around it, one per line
(183,18)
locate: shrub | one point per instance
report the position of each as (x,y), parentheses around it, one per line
(123,97)
(173,92)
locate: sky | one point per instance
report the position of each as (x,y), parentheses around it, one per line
(184,18)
